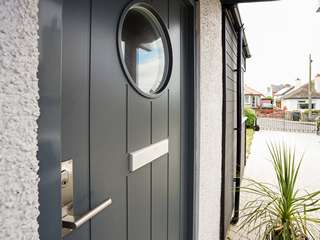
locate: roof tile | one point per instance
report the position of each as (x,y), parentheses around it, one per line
(302,92)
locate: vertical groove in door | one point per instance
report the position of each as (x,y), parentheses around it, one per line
(127,126)
(127,150)
(182,86)
(168,171)
(151,173)
(89,109)
(151,125)
(168,160)
(151,201)
(127,207)
(168,95)
(168,12)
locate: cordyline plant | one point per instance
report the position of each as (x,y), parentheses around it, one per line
(281,212)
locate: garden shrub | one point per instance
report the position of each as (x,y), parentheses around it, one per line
(251,117)
(313,112)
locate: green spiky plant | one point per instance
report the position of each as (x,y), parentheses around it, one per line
(281,212)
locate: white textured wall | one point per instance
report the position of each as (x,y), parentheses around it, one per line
(18,114)
(210,119)
(292,104)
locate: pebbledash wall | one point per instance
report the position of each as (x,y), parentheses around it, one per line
(19,112)
(18,115)
(210,119)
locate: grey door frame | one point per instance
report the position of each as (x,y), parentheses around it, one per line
(49,123)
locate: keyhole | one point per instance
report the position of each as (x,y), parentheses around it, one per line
(64,178)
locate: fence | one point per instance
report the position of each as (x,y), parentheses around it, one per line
(275,124)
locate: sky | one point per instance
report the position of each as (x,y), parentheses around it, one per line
(281,35)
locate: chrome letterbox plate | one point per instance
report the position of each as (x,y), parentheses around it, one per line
(148,154)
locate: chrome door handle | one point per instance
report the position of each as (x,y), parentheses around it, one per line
(72,223)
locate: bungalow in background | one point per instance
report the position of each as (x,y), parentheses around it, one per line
(278,96)
(274,88)
(252,98)
(297,100)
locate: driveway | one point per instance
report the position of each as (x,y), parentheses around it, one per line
(259,166)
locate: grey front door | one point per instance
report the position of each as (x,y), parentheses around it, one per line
(127,120)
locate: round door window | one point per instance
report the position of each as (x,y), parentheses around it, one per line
(144,49)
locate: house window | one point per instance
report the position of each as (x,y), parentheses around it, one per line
(305,105)
(253,101)
(247,99)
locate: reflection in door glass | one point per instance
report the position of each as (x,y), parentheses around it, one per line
(143,50)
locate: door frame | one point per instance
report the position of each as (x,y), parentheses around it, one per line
(49,123)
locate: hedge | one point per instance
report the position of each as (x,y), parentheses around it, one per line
(251,117)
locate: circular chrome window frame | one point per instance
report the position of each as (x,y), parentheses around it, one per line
(163,32)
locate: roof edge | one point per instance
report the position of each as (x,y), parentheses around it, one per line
(291,98)
(235,14)
(245,40)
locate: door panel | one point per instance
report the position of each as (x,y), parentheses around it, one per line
(139,121)
(108,159)
(159,170)
(187,121)
(174,126)
(138,132)
(75,102)
(162,7)
(159,198)
(139,204)
(105,119)
(159,109)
